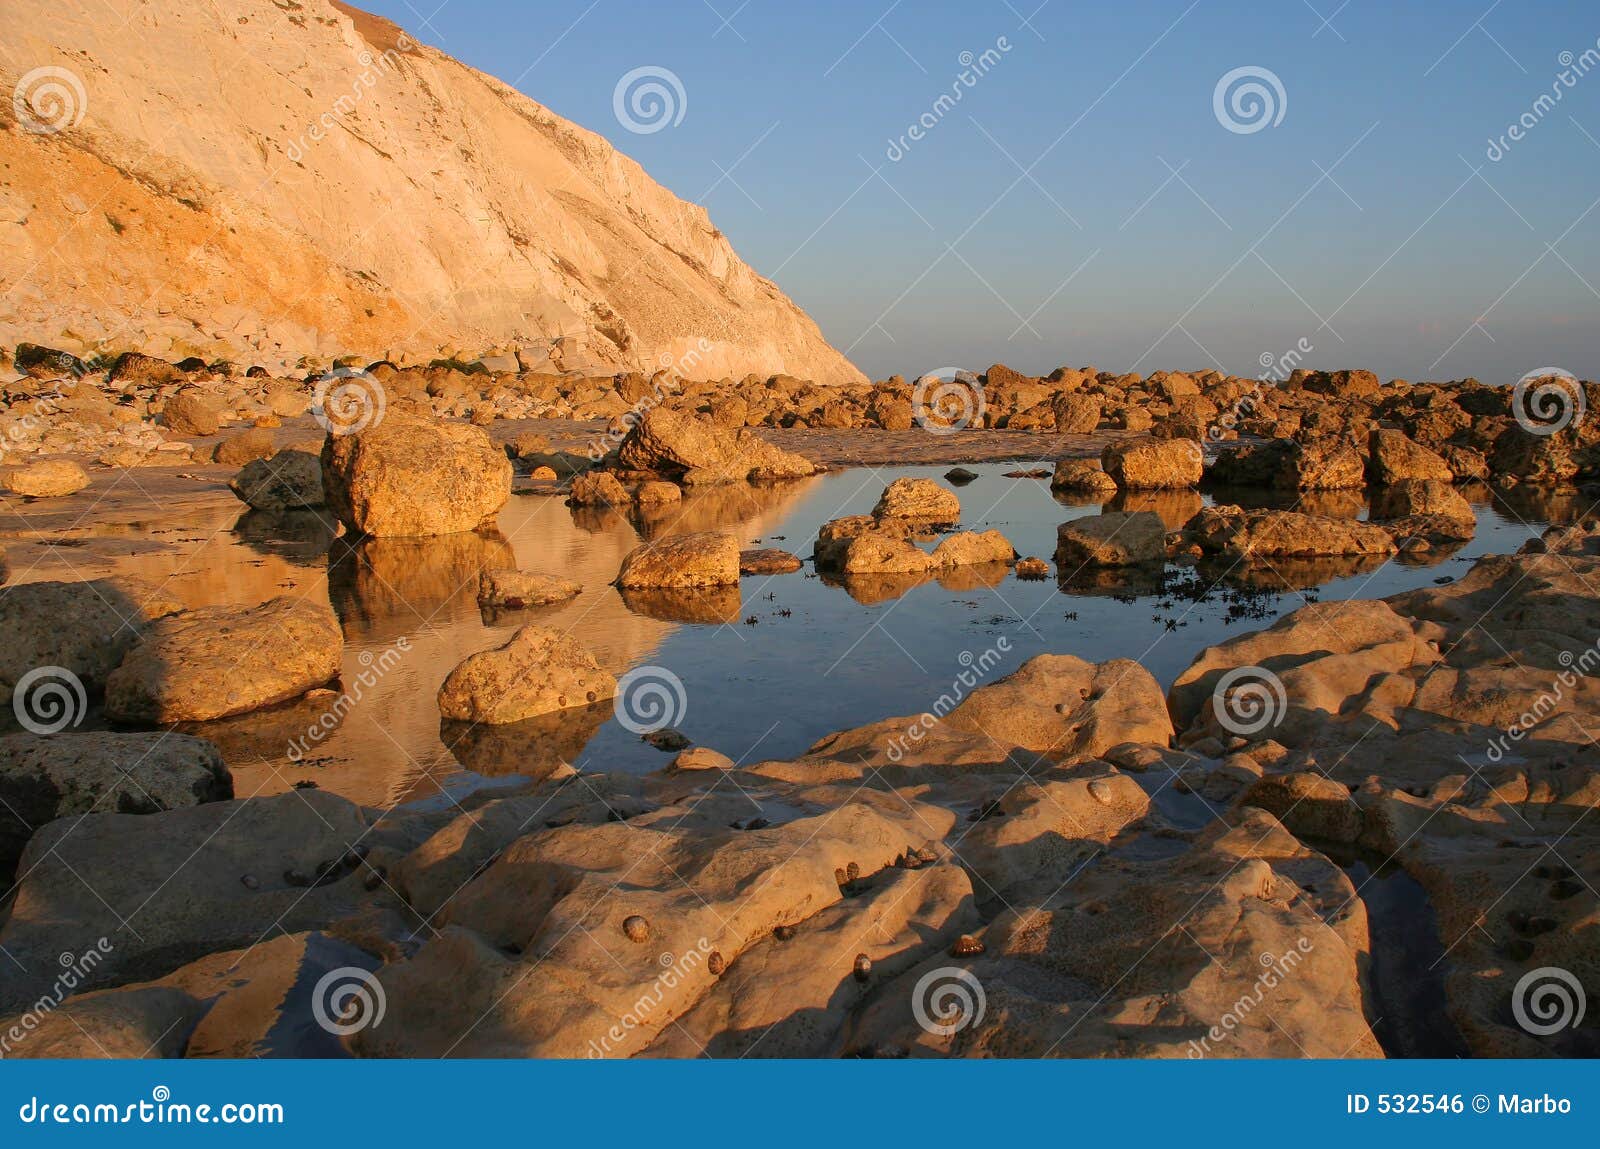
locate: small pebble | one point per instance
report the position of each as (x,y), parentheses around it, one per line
(637,929)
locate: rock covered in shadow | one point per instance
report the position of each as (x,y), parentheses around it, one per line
(166,889)
(56,776)
(85,628)
(288,481)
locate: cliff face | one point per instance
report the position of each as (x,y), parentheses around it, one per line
(261,181)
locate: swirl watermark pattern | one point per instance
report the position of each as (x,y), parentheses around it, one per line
(1249,99)
(1547,1000)
(348,402)
(947,1000)
(1248,700)
(48,699)
(650,698)
(348,1000)
(49,100)
(648,99)
(1548,401)
(946,401)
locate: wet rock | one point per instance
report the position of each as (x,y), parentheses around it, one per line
(1421,497)
(516,590)
(1032,568)
(920,499)
(286,481)
(47,480)
(1111,540)
(216,661)
(404,476)
(538,671)
(960,476)
(1154,464)
(767,560)
(707,558)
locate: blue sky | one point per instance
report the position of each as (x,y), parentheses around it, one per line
(1084,203)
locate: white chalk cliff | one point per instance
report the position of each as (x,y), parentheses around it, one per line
(263,181)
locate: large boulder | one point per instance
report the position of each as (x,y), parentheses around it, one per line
(288,481)
(539,671)
(1119,539)
(56,776)
(405,476)
(697,450)
(216,661)
(707,558)
(598,489)
(1154,464)
(50,479)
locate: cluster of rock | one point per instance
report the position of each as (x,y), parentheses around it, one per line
(141,409)
(1107,871)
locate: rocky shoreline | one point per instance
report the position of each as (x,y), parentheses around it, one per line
(1067,861)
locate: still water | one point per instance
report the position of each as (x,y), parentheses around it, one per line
(765,669)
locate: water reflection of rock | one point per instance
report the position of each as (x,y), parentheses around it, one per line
(1329,504)
(534,748)
(391,586)
(719,508)
(1533,504)
(1175,507)
(296,731)
(696,605)
(1293,574)
(1114,582)
(870,589)
(301,536)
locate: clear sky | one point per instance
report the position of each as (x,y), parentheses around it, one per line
(1086,200)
